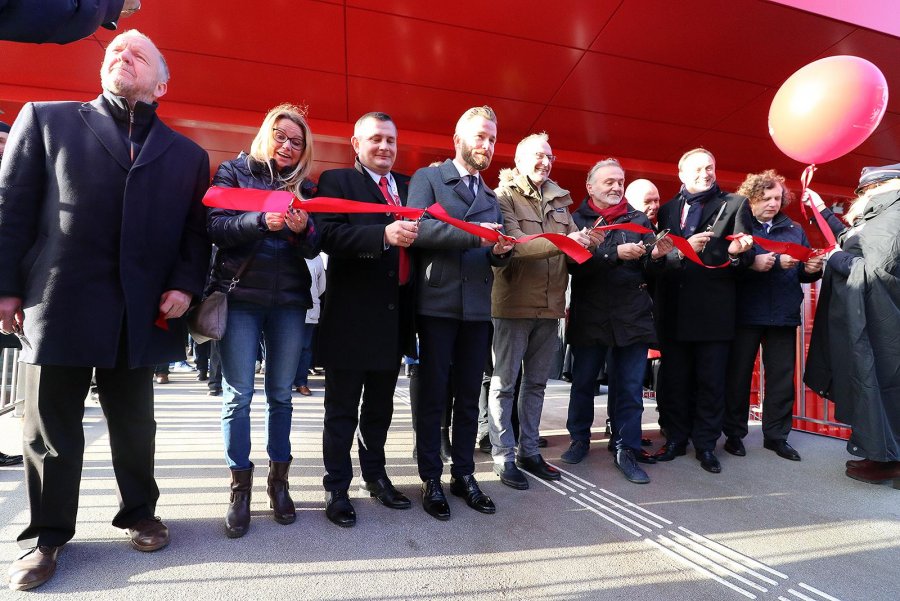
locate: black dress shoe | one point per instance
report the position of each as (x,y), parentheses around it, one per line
(467,488)
(6,460)
(202,376)
(511,476)
(33,569)
(782,448)
(384,491)
(735,446)
(670,451)
(434,501)
(709,461)
(484,445)
(339,509)
(536,466)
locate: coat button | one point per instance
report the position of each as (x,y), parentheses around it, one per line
(392,273)
(392,306)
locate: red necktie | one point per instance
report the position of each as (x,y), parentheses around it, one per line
(404,256)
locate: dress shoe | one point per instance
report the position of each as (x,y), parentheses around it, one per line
(670,451)
(280,501)
(434,501)
(709,461)
(511,476)
(542,442)
(387,495)
(214,392)
(857,463)
(484,444)
(304,390)
(735,446)
(33,569)
(467,488)
(237,518)
(6,460)
(162,378)
(646,442)
(339,509)
(203,376)
(626,463)
(782,449)
(149,534)
(877,472)
(643,456)
(577,451)
(536,465)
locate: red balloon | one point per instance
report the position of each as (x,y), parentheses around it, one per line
(828,108)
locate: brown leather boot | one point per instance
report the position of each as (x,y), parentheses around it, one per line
(237,520)
(279,497)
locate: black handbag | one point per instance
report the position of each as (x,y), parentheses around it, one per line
(207,320)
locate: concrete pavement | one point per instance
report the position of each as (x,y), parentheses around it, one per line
(764,528)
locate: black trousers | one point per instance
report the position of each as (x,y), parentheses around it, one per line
(463,344)
(779,352)
(692,392)
(343,389)
(54,446)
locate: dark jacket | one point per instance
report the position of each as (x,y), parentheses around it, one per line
(610,304)
(90,241)
(773,298)
(367,317)
(454,270)
(854,350)
(694,303)
(277,273)
(57,21)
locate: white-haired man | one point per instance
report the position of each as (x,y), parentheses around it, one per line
(103,236)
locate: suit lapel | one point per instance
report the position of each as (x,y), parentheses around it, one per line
(98,119)
(483,201)
(369,184)
(710,210)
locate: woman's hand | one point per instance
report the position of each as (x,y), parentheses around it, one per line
(296,220)
(274,221)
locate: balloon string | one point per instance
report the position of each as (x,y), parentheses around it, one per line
(805,180)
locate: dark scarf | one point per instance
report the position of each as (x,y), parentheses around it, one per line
(700,197)
(695,202)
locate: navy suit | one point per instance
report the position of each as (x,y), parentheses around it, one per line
(453,305)
(366,326)
(90,240)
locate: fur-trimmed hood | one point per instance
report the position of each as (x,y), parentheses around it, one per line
(511,178)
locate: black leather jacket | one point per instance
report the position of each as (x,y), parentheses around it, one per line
(277,274)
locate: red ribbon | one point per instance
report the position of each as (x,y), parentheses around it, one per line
(246,199)
(805,179)
(161,322)
(797,251)
(680,243)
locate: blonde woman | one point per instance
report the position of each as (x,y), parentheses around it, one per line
(269,301)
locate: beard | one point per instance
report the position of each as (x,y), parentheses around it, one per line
(475,161)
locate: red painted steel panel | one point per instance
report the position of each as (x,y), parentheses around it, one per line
(454,58)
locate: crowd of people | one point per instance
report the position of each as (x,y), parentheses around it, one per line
(121,209)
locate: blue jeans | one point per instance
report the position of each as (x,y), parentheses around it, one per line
(306,337)
(281,328)
(625,406)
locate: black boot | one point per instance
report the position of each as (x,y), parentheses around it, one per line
(279,497)
(237,520)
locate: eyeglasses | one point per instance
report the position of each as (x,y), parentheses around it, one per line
(281,138)
(540,156)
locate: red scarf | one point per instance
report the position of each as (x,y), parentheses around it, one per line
(610,214)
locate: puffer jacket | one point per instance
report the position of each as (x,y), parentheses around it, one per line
(277,274)
(610,304)
(533,284)
(773,298)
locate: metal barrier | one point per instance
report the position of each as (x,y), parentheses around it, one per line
(9,380)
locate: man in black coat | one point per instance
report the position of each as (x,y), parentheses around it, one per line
(366,323)
(696,308)
(60,21)
(102,234)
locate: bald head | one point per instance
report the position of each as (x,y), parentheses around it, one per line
(642,194)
